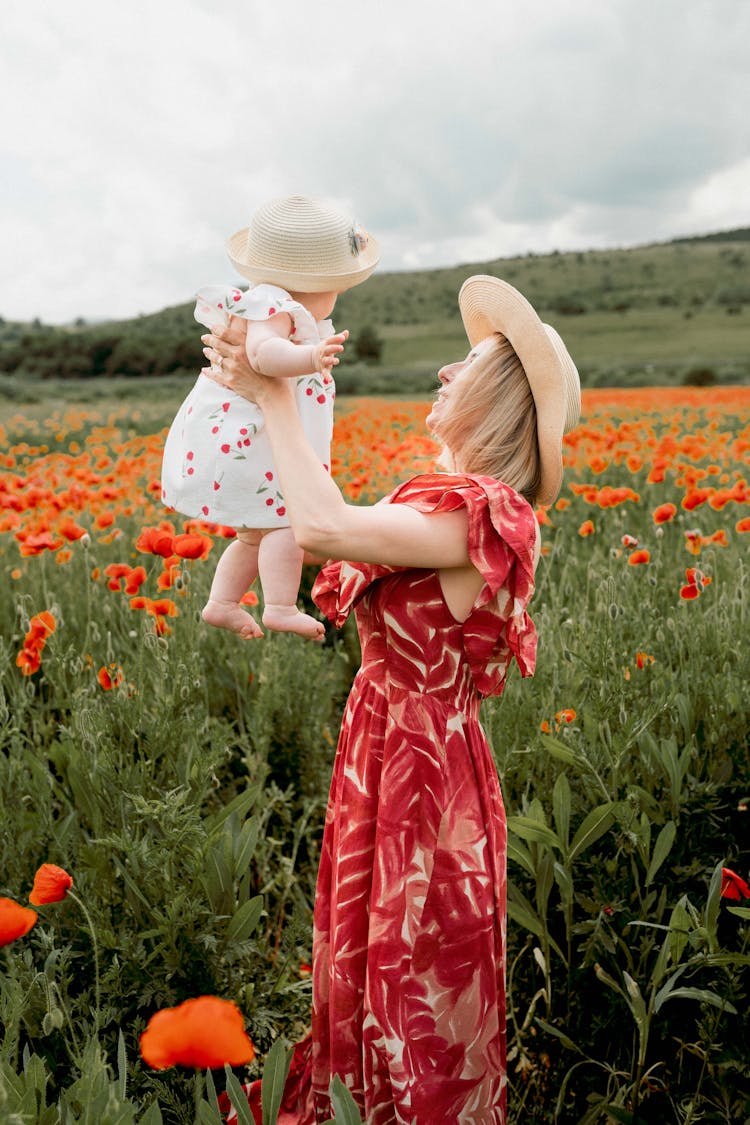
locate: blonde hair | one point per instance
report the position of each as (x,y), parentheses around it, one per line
(489,426)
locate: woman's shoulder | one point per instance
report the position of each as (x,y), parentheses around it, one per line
(454,489)
(499,518)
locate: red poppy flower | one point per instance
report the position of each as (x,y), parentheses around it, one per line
(743,524)
(629,541)
(29,660)
(135,579)
(664,513)
(192,546)
(155,541)
(250,598)
(70,530)
(51,884)
(642,659)
(15,920)
(203,1033)
(694,497)
(639,557)
(586,528)
(732,886)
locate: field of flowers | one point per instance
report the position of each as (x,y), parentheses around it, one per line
(179,776)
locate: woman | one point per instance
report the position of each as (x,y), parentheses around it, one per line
(409,938)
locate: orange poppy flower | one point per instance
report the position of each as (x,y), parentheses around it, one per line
(51,884)
(565,716)
(109,677)
(732,886)
(664,513)
(639,557)
(629,541)
(586,528)
(642,659)
(203,1033)
(743,524)
(15,920)
(250,598)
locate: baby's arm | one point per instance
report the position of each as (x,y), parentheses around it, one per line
(271,352)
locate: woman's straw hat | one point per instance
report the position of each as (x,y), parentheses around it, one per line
(305,246)
(489,305)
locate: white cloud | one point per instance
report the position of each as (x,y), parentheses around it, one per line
(146,133)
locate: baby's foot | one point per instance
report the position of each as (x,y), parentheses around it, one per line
(231,615)
(289,619)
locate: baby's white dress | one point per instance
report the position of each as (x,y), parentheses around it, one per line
(217,463)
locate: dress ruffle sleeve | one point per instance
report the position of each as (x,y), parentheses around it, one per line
(213,303)
(501,541)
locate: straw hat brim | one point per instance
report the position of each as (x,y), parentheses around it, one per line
(489,305)
(297,280)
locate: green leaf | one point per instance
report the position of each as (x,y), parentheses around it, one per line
(245,919)
(617,1113)
(520,855)
(662,848)
(703,996)
(740,911)
(561,808)
(122,1067)
(559,750)
(247,844)
(533,831)
(240,804)
(713,903)
(525,918)
(275,1071)
(679,927)
(218,880)
(152,1116)
(238,1098)
(564,1039)
(592,827)
(344,1105)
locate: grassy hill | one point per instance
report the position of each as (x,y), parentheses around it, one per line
(661,314)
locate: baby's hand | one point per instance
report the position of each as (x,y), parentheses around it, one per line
(327,352)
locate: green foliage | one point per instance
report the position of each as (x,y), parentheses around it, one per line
(663,307)
(188,802)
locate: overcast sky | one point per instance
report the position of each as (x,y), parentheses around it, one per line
(138,135)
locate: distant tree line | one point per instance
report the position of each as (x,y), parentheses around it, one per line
(124,349)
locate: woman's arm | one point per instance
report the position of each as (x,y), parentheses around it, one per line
(322,521)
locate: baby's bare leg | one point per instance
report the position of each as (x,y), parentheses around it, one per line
(236,570)
(280,562)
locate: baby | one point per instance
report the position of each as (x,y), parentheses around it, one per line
(299,254)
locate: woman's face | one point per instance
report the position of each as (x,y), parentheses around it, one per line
(450,385)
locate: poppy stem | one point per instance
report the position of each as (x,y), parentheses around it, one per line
(95,947)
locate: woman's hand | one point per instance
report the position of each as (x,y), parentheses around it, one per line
(229,365)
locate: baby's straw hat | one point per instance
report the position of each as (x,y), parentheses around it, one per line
(490,305)
(305,246)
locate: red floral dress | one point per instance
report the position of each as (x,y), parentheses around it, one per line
(409,934)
